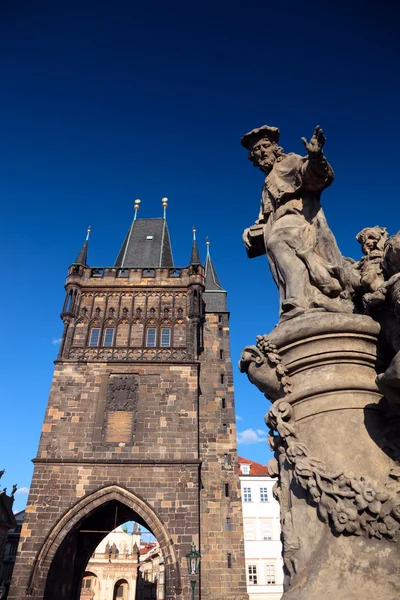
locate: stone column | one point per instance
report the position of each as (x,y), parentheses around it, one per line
(338,486)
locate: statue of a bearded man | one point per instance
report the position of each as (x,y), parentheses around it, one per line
(292,230)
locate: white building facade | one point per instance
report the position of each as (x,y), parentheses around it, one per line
(262,544)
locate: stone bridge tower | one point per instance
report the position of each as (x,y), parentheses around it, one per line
(140,425)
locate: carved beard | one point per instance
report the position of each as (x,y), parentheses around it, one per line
(265,163)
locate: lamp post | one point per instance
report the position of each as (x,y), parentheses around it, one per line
(193,562)
(2,590)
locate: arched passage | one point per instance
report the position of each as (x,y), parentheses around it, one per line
(62,559)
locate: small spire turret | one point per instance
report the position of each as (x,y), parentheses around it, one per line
(214,294)
(81,259)
(195,256)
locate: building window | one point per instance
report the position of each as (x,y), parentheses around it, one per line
(246,494)
(94,336)
(222,377)
(165,337)
(151,337)
(263,494)
(267,530)
(229,560)
(223,403)
(219,318)
(245,469)
(270,574)
(224,428)
(226,460)
(221,354)
(252,574)
(226,486)
(108,336)
(249,532)
(227,524)
(220,332)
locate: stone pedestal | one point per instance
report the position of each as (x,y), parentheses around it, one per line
(337,484)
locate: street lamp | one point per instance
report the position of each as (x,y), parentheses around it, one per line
(2,590)
(193,562)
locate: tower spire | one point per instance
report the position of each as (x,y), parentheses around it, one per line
(195,256)
(214,294)
(81,259)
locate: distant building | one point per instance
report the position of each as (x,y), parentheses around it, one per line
(261,523)
(112,570)
(151,573)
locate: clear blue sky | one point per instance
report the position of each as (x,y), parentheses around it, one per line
(104,102)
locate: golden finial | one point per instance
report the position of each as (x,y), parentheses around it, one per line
(164,204)
(89,229)
(136,208)
(194,232)
(208,246)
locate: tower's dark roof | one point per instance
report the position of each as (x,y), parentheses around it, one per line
(147,244)
(81,259)
(214,294)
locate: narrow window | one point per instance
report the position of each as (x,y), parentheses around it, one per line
(270,574)
(224,428)
(165,337)
(151,337)
(226,460)
(222,378)
(252,574)
(223,403)
(226,490)
(249,533)
(267,530)
(263,494)
(227,524)
(246,494)
(221,354)
(94,336)
(229,560)
(219,318)
(220,332)
(108,336)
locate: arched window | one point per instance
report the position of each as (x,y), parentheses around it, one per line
(94,336)
(108,336)
(121,590)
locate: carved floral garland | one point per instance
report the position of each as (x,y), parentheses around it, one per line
(352,504)
(269,350)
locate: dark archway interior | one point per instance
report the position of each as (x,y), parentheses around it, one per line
(69,563)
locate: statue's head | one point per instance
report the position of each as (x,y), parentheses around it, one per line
(262,144)
(372,238)
(391,258)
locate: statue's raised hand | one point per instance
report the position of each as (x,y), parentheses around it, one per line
(314,146)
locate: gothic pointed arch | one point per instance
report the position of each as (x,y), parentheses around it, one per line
(71,522)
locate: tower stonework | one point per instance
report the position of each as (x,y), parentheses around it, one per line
(140,425)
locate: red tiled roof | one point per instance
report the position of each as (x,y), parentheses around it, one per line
(255,468)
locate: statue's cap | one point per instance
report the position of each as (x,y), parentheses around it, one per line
(264,132)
